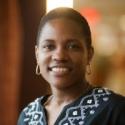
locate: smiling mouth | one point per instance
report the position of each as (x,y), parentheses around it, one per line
(60,70)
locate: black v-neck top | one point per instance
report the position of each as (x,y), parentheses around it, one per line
(97,107)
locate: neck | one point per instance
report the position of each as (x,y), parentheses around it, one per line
(68,95)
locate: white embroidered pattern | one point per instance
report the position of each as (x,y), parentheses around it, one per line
(34,116)
(74,115)
(86,107)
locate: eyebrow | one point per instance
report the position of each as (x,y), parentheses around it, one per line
(67,40)
(73,39)
(47,40)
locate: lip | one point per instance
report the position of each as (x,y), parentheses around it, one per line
(60,70)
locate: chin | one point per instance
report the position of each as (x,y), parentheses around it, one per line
(62,84)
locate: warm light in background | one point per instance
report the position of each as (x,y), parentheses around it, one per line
(91,14)
(51,4)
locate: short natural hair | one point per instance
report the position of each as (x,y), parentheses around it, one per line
(68,13)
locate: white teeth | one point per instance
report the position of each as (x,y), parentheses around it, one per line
(60,70)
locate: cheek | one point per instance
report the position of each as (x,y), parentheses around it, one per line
(80,64)
(43,63)
(80,60)
(42,60)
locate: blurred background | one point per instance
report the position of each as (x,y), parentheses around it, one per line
(19,20)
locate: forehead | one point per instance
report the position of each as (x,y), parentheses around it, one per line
(61,26)
(63,21)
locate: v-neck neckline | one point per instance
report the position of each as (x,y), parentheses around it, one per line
(44,99)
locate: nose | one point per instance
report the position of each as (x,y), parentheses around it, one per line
(60,54)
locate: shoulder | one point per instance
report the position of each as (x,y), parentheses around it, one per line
(117,103)
(101,97)
(117,107)
(34,105)
(109,104)
(113,102)
(112,97)
(32,110)
(96,96)
(117,98)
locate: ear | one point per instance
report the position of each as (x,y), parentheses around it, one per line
(36,53)
(90,54)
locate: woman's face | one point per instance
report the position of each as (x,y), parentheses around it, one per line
(62,54)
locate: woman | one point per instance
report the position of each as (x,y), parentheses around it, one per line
(63,53)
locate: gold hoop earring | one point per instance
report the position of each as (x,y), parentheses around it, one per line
(37,70)
(88,69)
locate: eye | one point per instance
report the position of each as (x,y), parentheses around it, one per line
(48,47)
(73,45)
